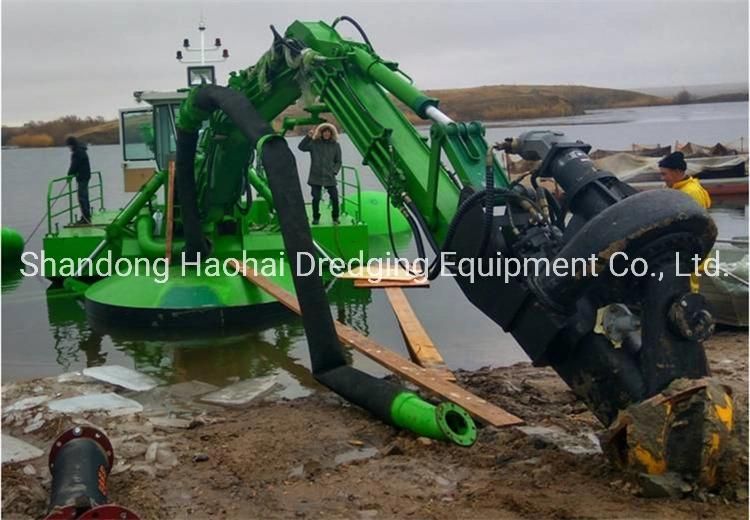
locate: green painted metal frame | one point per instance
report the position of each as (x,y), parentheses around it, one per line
(357,192)
(68,194)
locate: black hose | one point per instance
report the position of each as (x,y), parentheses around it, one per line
(423,225)
(329,364)
(414,230)
(356,25)
(556,209)
(489,207)
(195,242)
(465,206)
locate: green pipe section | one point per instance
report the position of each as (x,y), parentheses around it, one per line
(445,422)
(145,194)
(151,247)
(77,287)
(393,82)
(260,185)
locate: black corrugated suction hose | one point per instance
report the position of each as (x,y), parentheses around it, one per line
(329,365)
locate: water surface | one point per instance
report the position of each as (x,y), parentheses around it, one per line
(45,331)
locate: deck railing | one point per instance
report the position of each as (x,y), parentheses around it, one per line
(66,189)
(358,192)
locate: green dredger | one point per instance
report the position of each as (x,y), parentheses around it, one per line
(452,193)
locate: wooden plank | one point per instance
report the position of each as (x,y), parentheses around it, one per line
(421,348)
(366,284)
(422,377)
(395,273)
(170,213)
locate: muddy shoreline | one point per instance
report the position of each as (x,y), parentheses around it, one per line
(319,457)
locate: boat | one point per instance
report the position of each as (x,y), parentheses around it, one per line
(722,176)
(146,231)
(727,292)
(637,149)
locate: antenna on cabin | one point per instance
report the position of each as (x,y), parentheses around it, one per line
(203,73)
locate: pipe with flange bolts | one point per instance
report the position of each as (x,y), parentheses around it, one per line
(80,461)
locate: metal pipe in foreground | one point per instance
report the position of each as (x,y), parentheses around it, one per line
(80,461)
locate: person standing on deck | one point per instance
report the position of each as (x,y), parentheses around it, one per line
(325,163)
(81,169)
(673,172)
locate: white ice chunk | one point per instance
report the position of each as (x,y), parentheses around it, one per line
(242,393)
(16,450)
(122,376)
(26,403)
(112,403)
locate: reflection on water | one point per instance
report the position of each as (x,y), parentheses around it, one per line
(45,331)
(213,356)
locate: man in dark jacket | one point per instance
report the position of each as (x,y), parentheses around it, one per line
(81,169)
(325,163)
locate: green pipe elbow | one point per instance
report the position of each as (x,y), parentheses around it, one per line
(150,247)
(445,422)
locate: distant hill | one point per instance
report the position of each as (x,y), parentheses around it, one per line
(53,133)
(698,91)
(503,102)
(724,98)
(488,103)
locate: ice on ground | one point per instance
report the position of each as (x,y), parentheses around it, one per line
(111,403)
(26,404)
(242,393)
(122,376)
(16,450)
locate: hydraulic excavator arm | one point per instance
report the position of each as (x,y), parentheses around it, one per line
(630,346)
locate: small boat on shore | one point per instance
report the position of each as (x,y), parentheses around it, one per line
(721,176)
(727,293)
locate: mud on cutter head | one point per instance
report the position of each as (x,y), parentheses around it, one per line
(684,431)
(80,460)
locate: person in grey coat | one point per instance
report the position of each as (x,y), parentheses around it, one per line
(325,163)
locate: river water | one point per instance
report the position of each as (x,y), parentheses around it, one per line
(45,331)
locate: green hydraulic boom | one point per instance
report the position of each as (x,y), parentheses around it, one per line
(448,185)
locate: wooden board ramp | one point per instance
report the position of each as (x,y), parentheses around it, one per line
(421,348)
(170,212)
(363,283)
(425,378)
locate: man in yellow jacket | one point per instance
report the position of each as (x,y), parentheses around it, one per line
(672,169)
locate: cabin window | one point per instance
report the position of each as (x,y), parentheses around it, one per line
(137,131)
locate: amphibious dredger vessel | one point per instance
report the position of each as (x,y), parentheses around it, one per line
(629,346)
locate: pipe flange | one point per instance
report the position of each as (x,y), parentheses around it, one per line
(107,511)
(82,432)
(689,317)
(456,424)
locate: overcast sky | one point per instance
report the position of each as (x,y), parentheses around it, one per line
(87,57)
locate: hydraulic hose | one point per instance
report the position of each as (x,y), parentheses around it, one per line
(465,206)
(386,400)
(356,26)
(489,206)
